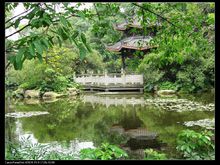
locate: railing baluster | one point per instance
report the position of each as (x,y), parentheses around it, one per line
(107,79)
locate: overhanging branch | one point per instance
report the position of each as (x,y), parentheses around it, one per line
(17,31)
(165,19)
(17,16)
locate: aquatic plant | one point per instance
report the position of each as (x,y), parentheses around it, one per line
(196,146)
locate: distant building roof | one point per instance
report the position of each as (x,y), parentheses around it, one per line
(135,42)
(135,23)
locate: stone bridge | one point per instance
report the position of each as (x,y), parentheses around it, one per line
(111,82)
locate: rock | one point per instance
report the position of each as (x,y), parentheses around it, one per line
(166,92)
(141,133)
(52,95)
(19,93)
(72,91)
(117,129)
(32,94)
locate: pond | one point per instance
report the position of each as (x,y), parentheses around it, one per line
(133,122)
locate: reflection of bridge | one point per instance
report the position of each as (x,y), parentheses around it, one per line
(111,82)
(110,100)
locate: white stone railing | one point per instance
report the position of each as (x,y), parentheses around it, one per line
(109,79)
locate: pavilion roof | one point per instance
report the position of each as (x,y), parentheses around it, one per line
(134,23)
(134,42)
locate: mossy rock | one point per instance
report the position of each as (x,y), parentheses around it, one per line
(72,91)
(52,95)
(166,92)
(19,93)
(32,94)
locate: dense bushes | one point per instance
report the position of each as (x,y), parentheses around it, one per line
(29,77)
(55,73)
(184,57)
(194,74)
(53,81)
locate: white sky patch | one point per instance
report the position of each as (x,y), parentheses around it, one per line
(20,8)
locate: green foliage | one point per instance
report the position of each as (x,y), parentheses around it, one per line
(29,77)
(196,146)
(53,81)
(152,75)
(150,154)
(27,151)
(199,75)
(104,152)
(55,73)
(185,52)
(44,18)
(185,43)
(167,85)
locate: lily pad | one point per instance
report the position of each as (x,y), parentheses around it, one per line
(206,123)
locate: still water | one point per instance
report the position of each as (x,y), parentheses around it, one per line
(90,119)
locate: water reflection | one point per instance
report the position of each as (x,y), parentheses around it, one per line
(90,120)
(113,100)
(72,146)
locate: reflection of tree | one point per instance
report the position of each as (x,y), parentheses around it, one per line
(205,98)
(66,121)
(10,135)
(166,123)
(131,116)
(125,117)
(10,128)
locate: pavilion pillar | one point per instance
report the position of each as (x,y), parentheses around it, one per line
(123,59)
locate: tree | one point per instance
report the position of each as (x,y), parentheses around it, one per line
(46,26)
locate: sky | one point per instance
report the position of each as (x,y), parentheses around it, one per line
(20,8)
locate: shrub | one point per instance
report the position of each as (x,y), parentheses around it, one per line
(152,75)
(25,150)
(29,77)
(104,152)
(167,85)
(150,154)
(194,145)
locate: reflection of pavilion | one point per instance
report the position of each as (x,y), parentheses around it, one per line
(113,100)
